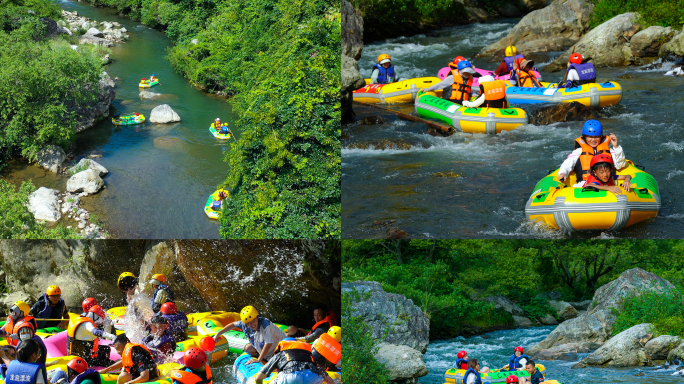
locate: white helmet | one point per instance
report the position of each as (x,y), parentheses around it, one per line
(95,318)
(486,79)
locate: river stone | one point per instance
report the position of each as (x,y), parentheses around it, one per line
(564,310)
(563,112)
(675,46)
(566,352)
(352,45)
(554,27)
(89,164)
(622,350)
(501,302)
(604,44)
(402,362)
(548,319)
(164,114)
(8,300)
(647,43)
(95,32)
(407,323)
(580,305)
(43,204)
(94,40)
(676,356)
(660,347)
(90,113)
(520,321)
(146,95)
(594,327)
(51,157)
(88,181)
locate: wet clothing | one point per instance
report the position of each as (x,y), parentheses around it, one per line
(517,362)
(82,340)
(178,324)
(136,359)
(382,75)
(161,347)
(579,74)
(26,373)
(472,377)
(162,294)
(537,377)
(43,309)
(43,355)
(266,333)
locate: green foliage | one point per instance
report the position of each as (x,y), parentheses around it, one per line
(360,347)
(538,307)
(653,12)
(664,310)
(17,222)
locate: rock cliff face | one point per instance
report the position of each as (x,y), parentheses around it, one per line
(352,45)
(283,279)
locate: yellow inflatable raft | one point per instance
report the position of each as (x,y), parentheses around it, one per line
(592,95)
(404,91)
(454,375)
(562,206)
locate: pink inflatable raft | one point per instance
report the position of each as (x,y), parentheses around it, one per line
(444,72)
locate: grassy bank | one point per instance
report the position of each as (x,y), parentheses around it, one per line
(653,12)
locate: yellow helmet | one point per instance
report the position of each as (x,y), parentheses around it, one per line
(248,314)
(158,279)
(336,333)
(22,306)
(383,57)
(511,50)
(126,281)
(53,290)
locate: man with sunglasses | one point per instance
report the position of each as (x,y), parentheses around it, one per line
(50,305)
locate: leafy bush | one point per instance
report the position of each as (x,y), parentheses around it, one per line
(653,12)
(538,307)
(664,310)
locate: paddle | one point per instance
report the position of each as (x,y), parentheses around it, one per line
(443,128)
(566,71)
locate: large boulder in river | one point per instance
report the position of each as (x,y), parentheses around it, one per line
(675,46)
(501,302)
(403,363)
(44,205)
(87,181)
(659,348)
(352,45)
(407,323)
(623,350)
(567,352)
(552,28)
(594,327)
(51,158)
(605,44)
(563,112)
(87,114)
(163,114)
(564,310)
(86,163)
(647,43)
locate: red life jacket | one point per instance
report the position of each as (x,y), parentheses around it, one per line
(593,179)
(330,318)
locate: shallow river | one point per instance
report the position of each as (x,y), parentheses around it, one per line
(495,349)
(160,174)
(498,173)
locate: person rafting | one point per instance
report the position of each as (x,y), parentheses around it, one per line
(492,94)
(25,331)
(127,282)
(152,78)
(462,362)
(518,359)
(50,305)
(88,303)
(82,337)
(457,87)
(472,374)
(506,65)
(295,364)
(523,75)
(383,72)
(136,360)
(195,369)
(536,377)
(78,372)
(578,73)
(603,175)
(592,142)
(263,335)
(324,320)
(25,369)
(159,341)
(7,354)
(162,292)
(143,81)
(294,331)
(177,321)
(19,312)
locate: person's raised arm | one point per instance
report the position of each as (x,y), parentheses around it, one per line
(223,330)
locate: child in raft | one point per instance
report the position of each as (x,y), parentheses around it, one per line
(462,362)
(603,175)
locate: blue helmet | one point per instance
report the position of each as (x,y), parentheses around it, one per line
(592,128)
(464,64)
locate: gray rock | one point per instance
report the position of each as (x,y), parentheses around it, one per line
(402,362)
(89,164)
(107,25)
(630,282)
(70,201)
(566,352)
(164,114)
(503,303)
(51,158)
(95,32)
(580,305)
(560,24)
(604,44)
(564,310)
(88,181)
(647,43)
(660,347)
(548,319)
(675,46)
(520,321)
(44,205)
(149,95)
(8,300)
(65,31)
(407,323)
(676,355)
(352,45)
(123,30)
(90,113)
(623,350)
(94,40)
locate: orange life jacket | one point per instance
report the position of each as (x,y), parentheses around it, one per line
(292,344)
(331,319)
(127,357)
(527,79)
(9,328)
(185,377)
(583,164)
(329,348)
(71,336)
(461,89)
(495,94)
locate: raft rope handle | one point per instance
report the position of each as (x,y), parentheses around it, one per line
(590,188)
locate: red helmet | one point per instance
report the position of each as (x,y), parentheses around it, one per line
(516,349)
(461,354)
(78,364)
(519,60)
(195,358)
(88,303)
(96,309)
(601,158)
(576,58)
(512,379)
(458,59)
(169,308)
